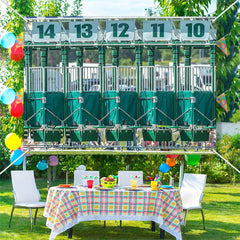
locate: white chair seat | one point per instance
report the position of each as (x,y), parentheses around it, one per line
(191,207)
(31,204)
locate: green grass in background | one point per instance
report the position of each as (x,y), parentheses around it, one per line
(221,206)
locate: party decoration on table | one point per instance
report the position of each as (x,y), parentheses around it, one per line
(53,160)
(16,53)
(221,43)
(172,156)
(16,109)
(192,159)
(8,95)
(17,154)
(171,162)
(42,165)
(158,180)
(8,40)
(164,168)
(81,168)
(13,141)
(221,99)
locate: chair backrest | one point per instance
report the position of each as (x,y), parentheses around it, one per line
(24,186)
(192,188)
(124,177)
(80,174)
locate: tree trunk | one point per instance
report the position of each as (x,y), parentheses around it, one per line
(67,177)
(230,175)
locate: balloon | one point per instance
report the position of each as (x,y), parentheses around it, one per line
(172,156)
(8,96)
(81,167)
(8,40)
(16,109)
(53,160)
(171,162)
(42,165)
(16,154)
(12,141)
(192,159)
(164,168)
(16,53)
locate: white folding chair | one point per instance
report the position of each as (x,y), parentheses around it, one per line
(124,177)
(26,194)
(80,174)
(192,193)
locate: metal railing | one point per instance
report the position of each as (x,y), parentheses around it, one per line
(123,78)
(195,78)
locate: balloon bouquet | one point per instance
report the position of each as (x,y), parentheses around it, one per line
(14,100)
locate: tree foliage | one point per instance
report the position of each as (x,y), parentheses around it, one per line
(227,80)
(182,7)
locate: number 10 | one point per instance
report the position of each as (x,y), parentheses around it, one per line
(198,29)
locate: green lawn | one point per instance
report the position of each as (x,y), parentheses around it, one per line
(221,206)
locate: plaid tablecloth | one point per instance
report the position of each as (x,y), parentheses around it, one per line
(65,207)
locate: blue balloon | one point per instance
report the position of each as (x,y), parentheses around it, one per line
(42,165)
(15,155)
(8,96)
(164,168)
(8,40)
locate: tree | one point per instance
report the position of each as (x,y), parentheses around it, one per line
(182,7)
(227,80)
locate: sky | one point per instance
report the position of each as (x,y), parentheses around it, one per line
(122,8)
(118,8)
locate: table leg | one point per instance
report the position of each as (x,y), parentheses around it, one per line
(153,226)
(70,230)
(162,234)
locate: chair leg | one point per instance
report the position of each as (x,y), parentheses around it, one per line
(203,219)
(10,220)
(120,223)
(35,216)
(104,224)
(30,212)
(153,226)
(185,220)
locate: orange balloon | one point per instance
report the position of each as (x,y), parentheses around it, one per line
(171,162)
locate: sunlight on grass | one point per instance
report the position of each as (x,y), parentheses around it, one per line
(221,206)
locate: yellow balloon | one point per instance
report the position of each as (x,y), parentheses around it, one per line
(12,141)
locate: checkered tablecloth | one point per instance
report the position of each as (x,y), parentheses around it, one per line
(65,207)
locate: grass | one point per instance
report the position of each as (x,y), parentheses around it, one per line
(221,207)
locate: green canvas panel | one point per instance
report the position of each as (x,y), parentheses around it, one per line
(35,104)
(203,104)
(55,104)
(146,105)
(91,104)
(166,103)
(128,102)
(184,105)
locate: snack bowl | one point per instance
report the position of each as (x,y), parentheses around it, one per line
(108,182)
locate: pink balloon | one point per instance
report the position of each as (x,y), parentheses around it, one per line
(53,160)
